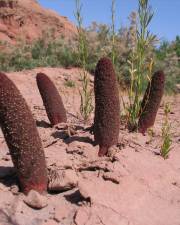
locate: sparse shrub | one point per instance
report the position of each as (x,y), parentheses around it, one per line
(151,101)
(67,57)
(69,83)
(167,58)
(140,62)
(52,100)
(107,106)
(22,138)
(150,133)
(86,106)
(41,53)
(166,133)
(113,51)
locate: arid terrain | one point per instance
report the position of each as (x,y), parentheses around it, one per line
(133,186)
(26,20)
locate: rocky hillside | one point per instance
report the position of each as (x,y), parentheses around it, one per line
(26,20)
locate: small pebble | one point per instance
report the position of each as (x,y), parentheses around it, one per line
(35,200)
(14,189)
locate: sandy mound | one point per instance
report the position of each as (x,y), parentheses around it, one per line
(26,20)
(135,186)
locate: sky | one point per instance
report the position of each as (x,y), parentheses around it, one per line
(165,23)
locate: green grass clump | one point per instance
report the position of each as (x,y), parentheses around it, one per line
(166,133)
(69,83)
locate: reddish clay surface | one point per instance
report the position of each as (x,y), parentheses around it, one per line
(136,186)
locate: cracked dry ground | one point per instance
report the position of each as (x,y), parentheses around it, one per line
(135,186)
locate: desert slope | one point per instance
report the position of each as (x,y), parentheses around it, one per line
(26,20)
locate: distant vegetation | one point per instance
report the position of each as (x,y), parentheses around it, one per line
(48,52)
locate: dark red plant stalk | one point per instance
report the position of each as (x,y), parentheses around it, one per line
(22,138)
(151,101)
(107,106)
(52,100)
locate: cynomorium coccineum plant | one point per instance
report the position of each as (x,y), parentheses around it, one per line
(52,100)
(107,106)
(22,138)
(151,101)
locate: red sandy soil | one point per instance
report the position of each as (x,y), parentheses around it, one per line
(135,186)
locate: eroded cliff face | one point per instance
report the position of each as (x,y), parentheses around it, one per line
(26,20)
(8,3)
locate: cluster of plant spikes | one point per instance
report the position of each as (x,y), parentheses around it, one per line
(151,101)
(107,106)
(22,138)
(52,100)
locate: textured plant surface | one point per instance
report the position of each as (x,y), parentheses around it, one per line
(52,100)
(107,106)
(22,138)
(151,101)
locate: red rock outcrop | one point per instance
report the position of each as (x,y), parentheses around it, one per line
(26,20)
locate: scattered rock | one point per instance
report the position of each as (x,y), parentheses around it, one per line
(83,189)
(49,222)
(3,187)
(4,219)
(35,200)
(111,177)
(112,151)
(82,216)
(14,189)
(74,150)
(67,128)
(62,212)
(62,180)
(102,165)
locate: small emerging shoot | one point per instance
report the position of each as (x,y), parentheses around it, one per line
(166,133)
